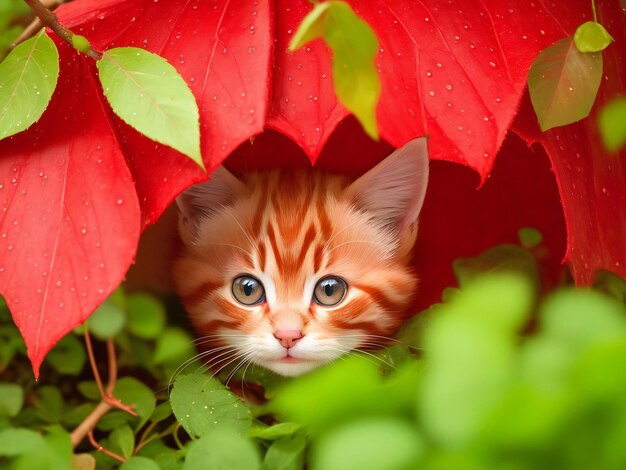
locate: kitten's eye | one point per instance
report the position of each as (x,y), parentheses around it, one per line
(248,291)
(330,291)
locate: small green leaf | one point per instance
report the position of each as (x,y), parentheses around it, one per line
(11,399)
(161,412)
(354,46)
(563,83)
(275,431)
(612,123)
(285,454)
(132,392)
(68,356)
(107,321)
(172,345)
(49,404)
(148,93)
(83,462)
(501,258)
(140,463)
(372,444)
(202,405)
(222,450)
(146,316)
(16,441)
(89,389)
(529,237)
(80,43)
(592,37)
(123,439)
(28,77)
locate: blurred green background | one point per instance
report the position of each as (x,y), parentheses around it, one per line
(14,17)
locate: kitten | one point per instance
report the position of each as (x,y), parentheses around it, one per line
(290,269)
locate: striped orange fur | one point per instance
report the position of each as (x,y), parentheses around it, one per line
(299,235)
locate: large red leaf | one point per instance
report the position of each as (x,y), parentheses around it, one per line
(453,70)
(70,220)
(592,182)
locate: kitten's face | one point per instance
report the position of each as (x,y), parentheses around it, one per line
(290,270)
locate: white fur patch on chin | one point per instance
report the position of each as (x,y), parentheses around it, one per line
(290,369)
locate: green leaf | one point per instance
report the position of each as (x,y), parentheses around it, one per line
(107,321)
(148,93)
(345,390)
(470,346)
(592,37)
(11,399)
(83,462)
(354,46)
(168,458)
(563,83)
(501,258)
(222,450)
(89,389)
(132,392)
(16,441)
(161,412)
(68,356)
(49,404)
(372,444)
(123,440)
(173,345)
(275,431)
(529,237)
(28,77)
(202,405)
(140,463)
(612,123)
(285,454)
(146,316)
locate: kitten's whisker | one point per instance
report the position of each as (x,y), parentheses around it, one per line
(357,352)
(189,361)
(329,241)
(246,360)
(238,356)
(240,226)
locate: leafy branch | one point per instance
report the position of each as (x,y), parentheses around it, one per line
(49,19)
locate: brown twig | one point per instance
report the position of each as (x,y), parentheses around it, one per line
(50,20)
(108,399)
(104,450)
(36,24)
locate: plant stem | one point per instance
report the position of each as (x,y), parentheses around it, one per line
(108,400)
(50,20)
(104,450)
(593,8)
(89,423)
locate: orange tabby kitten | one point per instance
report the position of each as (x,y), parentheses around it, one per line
(290,269)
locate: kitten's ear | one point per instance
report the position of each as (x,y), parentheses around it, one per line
(393,191)
(204,199)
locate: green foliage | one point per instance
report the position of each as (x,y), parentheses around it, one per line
(563,83)
(28,77)
(495,377)
(147,92)
(203,405)
(612,123)
(354,47)
(592,37)
(12,13)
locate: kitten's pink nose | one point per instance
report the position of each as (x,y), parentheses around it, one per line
(288,338)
